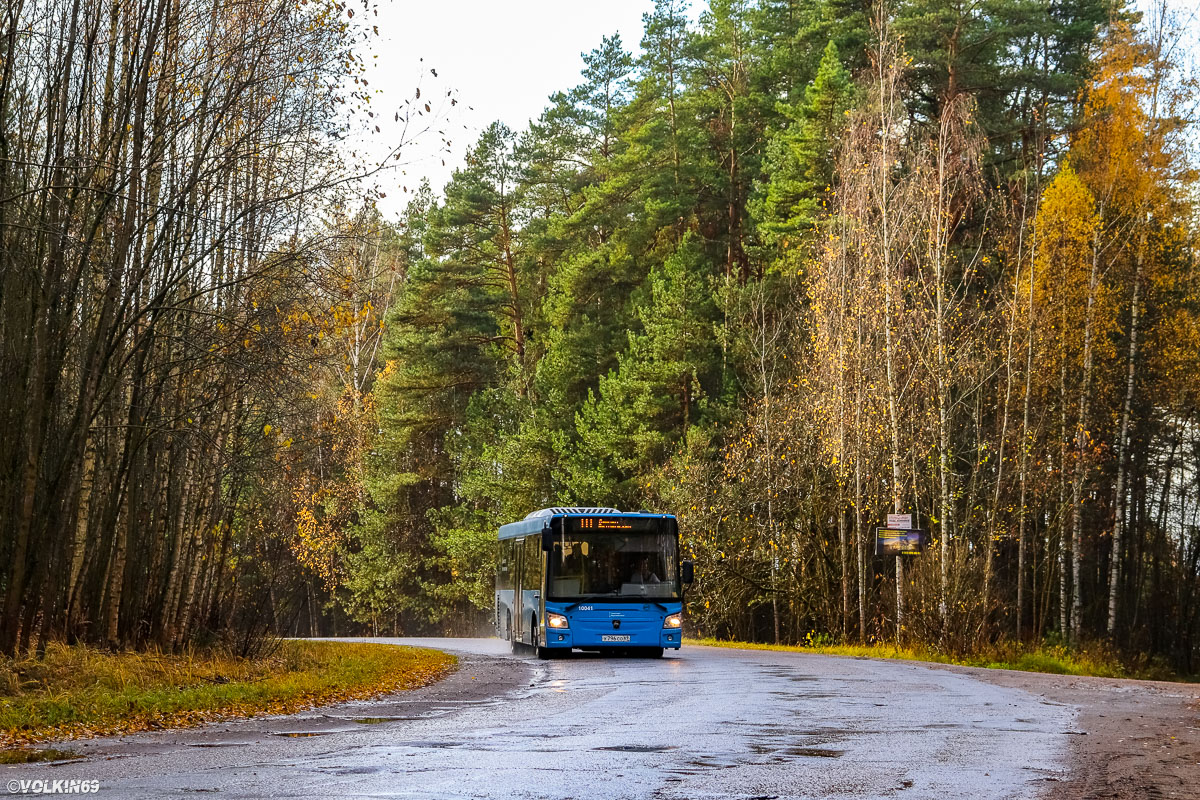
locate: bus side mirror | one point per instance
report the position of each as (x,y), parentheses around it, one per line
(689,572)
(547,539)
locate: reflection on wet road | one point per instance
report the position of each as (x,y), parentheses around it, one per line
(700,723)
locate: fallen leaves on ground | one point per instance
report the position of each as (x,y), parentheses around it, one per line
(75,692)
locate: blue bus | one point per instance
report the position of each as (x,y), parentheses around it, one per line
(591,579)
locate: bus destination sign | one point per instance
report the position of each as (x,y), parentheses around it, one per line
(603,523)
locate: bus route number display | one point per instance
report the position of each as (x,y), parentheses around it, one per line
(899,541)
(601,523)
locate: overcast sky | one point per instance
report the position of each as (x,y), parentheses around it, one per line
(500,60)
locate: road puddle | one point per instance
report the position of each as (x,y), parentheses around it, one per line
(639,748)
(302,734)
(814,752)
(352,770)
(791,676)
(835,733)
(809,751)
(709,764)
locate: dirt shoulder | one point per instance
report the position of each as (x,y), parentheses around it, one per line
(1138,739)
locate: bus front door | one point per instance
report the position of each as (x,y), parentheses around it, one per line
(518,605)
(530,591)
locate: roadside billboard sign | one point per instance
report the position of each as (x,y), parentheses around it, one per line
(899,541)
(899,521)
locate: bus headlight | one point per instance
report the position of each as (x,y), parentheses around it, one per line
(556,621)
(673,621)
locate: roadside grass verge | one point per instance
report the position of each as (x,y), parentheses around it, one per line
(76,691)
(1095,660)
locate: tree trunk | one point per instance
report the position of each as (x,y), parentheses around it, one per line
(844,564)
(860,540)
(1025,447)
(1082,439)
(1064,539)
(116,579)
(1114,578)
(83,515)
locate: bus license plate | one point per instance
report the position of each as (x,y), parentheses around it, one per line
(612,637)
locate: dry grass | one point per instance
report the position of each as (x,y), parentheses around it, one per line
(80,691)
(1094,660)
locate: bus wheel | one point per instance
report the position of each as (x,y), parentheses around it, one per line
(542,652)
(513,644)
(653,652)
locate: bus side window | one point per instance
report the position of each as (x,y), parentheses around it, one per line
(531,575)
(518,545)
(504,568)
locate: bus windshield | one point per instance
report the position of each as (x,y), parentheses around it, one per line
(604,564)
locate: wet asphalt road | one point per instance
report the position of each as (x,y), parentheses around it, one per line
(700,723)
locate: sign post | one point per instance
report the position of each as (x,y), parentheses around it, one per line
(899,539)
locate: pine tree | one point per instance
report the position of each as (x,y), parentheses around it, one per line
(666,63)
(646,405)
(1021,61)
(433,365)
(731,110)
(800,158)
(603,93)
(474,243)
